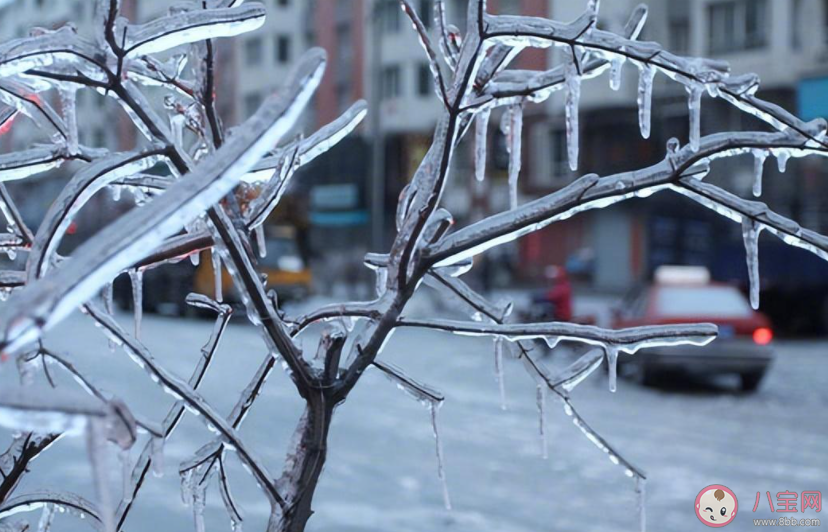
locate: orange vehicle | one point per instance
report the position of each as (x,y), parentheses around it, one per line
(286,270)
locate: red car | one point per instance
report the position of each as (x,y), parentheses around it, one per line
(686,295)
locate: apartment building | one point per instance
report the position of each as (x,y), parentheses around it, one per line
(784,41)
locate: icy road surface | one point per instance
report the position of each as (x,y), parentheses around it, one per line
(381,471)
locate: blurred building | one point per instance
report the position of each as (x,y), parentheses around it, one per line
(373,54)
(784,41)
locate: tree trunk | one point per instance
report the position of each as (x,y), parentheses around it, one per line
(314,443)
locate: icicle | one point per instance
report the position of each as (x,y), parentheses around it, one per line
(157,457)
(573,97)
(109,305)
(498,349)
(116,192)
(782,157)
(46,518)
(126,474)
(694,105)
(750,233)
(541,400)
(616,66)
(96,446)
(136,278)
(187,481)
(759,157)
(515,133)
(481,129)
(260,240)
(69,107)
(199,502)
(641,502)
(216,275)
(441,472)
(195,259)
(645,98)
(612,361)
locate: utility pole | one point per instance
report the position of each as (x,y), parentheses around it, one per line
(378,144)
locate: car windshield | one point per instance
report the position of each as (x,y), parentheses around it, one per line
(279,247)
(718,301)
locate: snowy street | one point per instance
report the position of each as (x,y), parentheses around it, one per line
(381,473)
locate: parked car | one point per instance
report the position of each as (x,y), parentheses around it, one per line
(686,295)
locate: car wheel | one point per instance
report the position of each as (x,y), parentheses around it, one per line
(750,381)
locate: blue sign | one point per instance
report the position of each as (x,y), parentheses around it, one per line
(813,98)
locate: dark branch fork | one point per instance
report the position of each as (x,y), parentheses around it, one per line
(199,209)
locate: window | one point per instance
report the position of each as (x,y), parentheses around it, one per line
(716,301)
(424,80)
(253,51)
(251,103)
(796,16)
(282,51)
(680,36)
(79,9)
(560,155)
(390,82)
(389,16)
(825,20)
(99,137)
(426,12)
(509,7)
(737,25)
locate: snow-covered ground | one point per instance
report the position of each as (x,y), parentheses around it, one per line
(381,471)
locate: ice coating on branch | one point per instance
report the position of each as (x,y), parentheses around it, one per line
(136,278)
(46,518)
(126,475)
(98,458)
(572,79)
(157,457)
(217,280)
(575,373)
(481,126)
(191,26)
(127,240)
(260,241)
(641,502)
(646,76)
(198,504)
(541,403)
(514,148)
(233,510)
(25,163)
(69,109)
(499,377)
(694,105)
(441,471)
(759,157)
(54,412)
(750,233)
(616,68)
(612,363)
